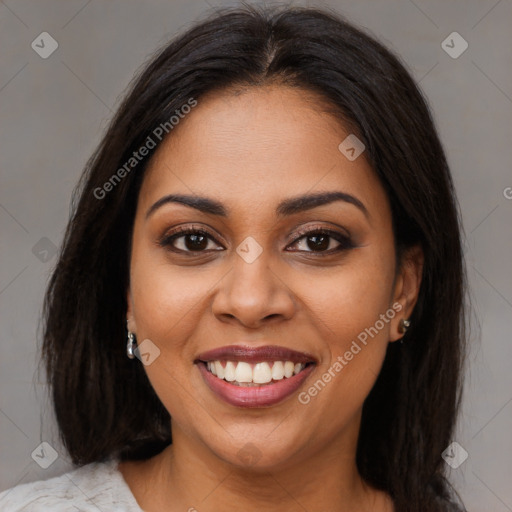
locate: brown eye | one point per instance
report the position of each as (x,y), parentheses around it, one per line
(188,240)
(318,242)
(194,241)
(323,240)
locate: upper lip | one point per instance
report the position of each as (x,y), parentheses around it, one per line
(255,354)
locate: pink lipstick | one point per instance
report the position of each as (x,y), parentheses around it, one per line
(246,376)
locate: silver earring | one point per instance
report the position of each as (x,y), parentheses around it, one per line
(403,326)
(131,345)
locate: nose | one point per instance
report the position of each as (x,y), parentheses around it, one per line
(253,294)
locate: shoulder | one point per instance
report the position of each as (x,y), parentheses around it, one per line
(95,486)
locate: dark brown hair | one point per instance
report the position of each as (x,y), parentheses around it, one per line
(104,403)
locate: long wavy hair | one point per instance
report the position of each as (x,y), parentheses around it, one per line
(104,403)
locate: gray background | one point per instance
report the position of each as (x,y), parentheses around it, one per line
(53,112)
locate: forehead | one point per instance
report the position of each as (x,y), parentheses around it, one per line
(257,146)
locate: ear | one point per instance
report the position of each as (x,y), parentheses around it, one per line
(130,320)
(407,287)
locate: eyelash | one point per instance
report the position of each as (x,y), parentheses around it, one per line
(345,242)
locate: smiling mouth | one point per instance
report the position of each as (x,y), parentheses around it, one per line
(245,374)
(248,376)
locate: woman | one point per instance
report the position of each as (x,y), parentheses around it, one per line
(269,213)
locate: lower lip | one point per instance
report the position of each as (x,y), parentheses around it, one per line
(263,395)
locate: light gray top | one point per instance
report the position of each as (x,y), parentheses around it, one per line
(95,487)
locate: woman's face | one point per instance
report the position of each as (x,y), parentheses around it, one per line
(256,279)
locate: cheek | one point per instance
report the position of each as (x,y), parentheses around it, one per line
(166,305)
(351,308)
(350,298)
(166,298)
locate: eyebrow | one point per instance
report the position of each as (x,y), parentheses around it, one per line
(287,207)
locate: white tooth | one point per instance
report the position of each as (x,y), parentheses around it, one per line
(211,367)
(229,372)
(298,368)
(277,370)
(288,369)
(243,372)
(219,369)
(261,373)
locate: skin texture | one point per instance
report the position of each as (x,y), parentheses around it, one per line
(250,150)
